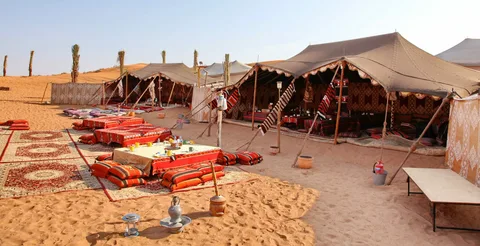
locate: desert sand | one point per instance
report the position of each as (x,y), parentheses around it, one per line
(334,203)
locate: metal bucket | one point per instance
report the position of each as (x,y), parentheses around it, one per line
(379,179)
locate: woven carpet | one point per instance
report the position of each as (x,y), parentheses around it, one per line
(232,175)
(16,152)
(5,131)
(95,150)
(43,177)
(39,136)
(3,144)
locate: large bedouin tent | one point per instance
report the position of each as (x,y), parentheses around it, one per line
(169,83)
(374,69)
(465,53)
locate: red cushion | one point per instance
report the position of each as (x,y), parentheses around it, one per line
(227,159)
(181,185)
(123,183)
(104,157)
(249,158)
(99,174)
(11,122)
(104,166)
(209,176)
(207,168)
(127,172)
(181,174)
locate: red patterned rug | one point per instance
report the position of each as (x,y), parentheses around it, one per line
(3,144)
(16,152)
(233,175)
(95,150)
(42,177)
(39,136)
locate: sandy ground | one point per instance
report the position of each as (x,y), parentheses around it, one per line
(334,203)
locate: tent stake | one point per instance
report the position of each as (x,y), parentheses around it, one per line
(414,145)
(339,103)
(254,97)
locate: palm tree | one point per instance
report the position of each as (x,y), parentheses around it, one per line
(164,56)
(121,60)
(30,64)
(5,65)
(195,60)
(226,70)
(75,64)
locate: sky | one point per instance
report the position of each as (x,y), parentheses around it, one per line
(247,30)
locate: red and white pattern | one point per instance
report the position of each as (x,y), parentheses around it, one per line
(16,152)
(39,136)
(41,177)
(87,150)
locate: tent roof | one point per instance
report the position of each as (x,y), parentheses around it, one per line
(466,53)
(176,72)
(390,60)
(235,67)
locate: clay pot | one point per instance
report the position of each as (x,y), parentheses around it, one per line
(218,205)
(161,115)
(274,150)
(304,162)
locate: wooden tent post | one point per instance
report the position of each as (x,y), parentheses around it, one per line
(279,120)
(171,93)
(210,117)
(138,100)
(414,145)
(254,97)
(103,94)
(126,90)
(311,127)
(219,128)
(45,91)
(113,93)
(339,103)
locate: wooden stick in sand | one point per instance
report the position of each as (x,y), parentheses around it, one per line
(339,110)
(214,175)
(43,97)
(414,145)
(311,127)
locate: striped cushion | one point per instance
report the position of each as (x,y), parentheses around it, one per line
(209,176)
(227,159)
(104,166)
(181,185)
(249,158)
(99,174)
(206,168)
(178,175)
(123,183)
(104,157)
(127,172)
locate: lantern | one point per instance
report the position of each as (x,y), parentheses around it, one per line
(131,219)
(221,102)
(279,85)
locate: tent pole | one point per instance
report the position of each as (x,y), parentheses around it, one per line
(414,145)
(45,91)
(171,93)
(113,93)
(254,97)
(384,130)
(160,91)
(279,120)
(103,95)
(311,127)
(219,128)
(210,117)
(129,94)
(339,103)
(146,89)
(126,90)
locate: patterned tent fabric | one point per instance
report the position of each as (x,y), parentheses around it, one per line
(76,93)
(463,146)
(272,116)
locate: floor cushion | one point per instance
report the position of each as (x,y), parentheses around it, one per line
(249,158)
(127,172)
(124,183)
(103,166)
(227,159)
(209,176)
(176,176)
(207,168)
(181,185)
(104,157)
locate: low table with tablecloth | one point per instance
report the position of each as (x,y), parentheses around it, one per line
(111,121)
(128,135)
(144,156)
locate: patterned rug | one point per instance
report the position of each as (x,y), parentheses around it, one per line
(3,144)
(42,177)
(76,134)
(17,152)
(39,136)
(5,131)
(232,175)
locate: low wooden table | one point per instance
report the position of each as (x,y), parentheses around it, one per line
(443,186)
(144,157)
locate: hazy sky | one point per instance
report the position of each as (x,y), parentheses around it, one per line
(246,29)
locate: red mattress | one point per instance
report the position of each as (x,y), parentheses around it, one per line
(111,121)
(128,135)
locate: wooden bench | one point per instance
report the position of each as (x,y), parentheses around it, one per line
(443,186)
